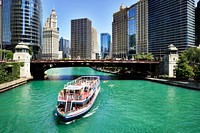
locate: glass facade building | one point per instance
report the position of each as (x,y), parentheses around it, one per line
(6,32)
(170,22)
(105,45)
(131,31)
(64,46)
(22,20)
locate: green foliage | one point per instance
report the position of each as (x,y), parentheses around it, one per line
(7,54)
(183,70)
(197,72)
(193,55)
(144,56)
(9,72)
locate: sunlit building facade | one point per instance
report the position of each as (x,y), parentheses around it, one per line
(51,38)
(142,27)
(119,33)
(95,46)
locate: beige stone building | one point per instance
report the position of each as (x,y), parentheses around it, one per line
(119,33)
(51,38)
(95,47)
(142,27)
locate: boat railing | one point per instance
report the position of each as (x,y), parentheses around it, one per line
(82,80)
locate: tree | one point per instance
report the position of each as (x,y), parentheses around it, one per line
(149,56)
(183,69)
(193,55)
(144,56)
(197,72)
(9,55)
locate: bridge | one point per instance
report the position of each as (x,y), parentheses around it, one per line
(38,67)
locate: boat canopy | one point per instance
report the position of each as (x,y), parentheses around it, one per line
(74,87)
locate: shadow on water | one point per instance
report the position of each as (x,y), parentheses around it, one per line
(102,77)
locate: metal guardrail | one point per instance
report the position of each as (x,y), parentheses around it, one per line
(94,61)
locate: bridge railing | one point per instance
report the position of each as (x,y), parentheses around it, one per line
(94,61)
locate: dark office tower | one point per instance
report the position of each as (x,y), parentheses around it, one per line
(170,22)
(0,25)
(142,27)
(119,33)
(22,22)
(0,31)
(197,24)
(105,45)
(132,23)
(81,38)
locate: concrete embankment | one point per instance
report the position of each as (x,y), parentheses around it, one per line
(13,84)
(185,84)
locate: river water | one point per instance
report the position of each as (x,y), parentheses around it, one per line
(128,106)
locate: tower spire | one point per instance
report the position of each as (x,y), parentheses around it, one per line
(53,9)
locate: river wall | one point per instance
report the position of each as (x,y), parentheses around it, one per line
(13,84)
(186,84)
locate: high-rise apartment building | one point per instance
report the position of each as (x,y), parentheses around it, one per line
(119,33)
(64,46)
(105,45)
(132,24)
(22,22)
(51,38)
(197,24)
(81,37)
(94,47)
(170,22)
(142,27)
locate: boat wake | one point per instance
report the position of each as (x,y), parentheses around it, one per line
(91,113)
(105,81)
(67,123)
(111,85)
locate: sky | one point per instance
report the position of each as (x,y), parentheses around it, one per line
(100,12)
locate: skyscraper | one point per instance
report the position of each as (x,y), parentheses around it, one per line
(22,22)
(51,38)
(64,46)
(105,45)
(170,22)
(197,24)
(81,30)
(142,27)
(119,33)
(94,47)
(0,31)
(132,24)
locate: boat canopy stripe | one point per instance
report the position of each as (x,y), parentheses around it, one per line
(73,87)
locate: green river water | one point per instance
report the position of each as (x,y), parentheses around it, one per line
(122,106)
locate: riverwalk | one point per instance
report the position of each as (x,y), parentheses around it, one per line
(186,84)
(10,85)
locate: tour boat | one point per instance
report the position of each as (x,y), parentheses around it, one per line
(77,97)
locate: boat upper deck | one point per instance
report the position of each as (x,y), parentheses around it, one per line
(79,89)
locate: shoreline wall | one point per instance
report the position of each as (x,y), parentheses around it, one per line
(188,84)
